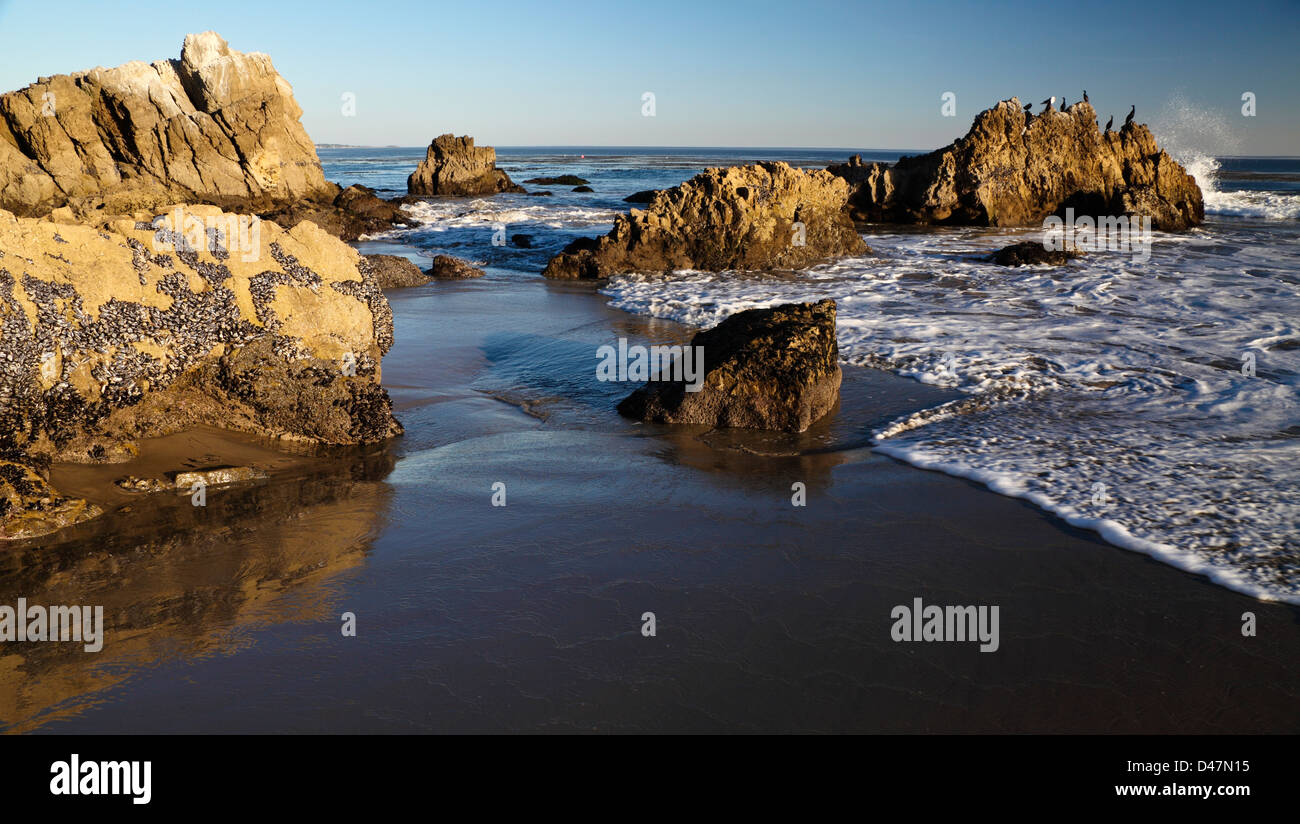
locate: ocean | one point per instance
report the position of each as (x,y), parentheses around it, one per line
(1153,401)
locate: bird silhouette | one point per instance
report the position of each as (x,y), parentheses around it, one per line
(1129,120)
(1110,122)
(1029,106)
(1085,95)
(1048,103)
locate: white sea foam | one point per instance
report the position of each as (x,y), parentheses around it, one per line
(1106,372)
(438,215)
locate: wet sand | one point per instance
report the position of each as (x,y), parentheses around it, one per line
(474,617)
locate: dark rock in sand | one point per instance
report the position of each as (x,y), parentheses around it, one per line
(1015,170)
(447,267)
(641,197)
(394,272)
(562,180)
(522,241)
(583,189)
(1032,253)
(775,368)
(763,216)
(455,166)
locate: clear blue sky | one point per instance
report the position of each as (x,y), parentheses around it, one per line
(749,73)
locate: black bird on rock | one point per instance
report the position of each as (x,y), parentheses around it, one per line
(1128,120)
(1085,95)
(1048,104)
(1110,122)
(1029,106)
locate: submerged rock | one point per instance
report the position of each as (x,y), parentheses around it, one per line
(1032,253)
(646,196)
(455,166)
(1015,169)
(395,272)
(446,267)
(763,216)
(775,368)
(584,189)
(522,240)
(562,180)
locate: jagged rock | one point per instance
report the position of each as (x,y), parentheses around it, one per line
(562,180)
(455,166)
(394,272)
(30,507)
(583,189)
(775,368)
(216,126)
(1032,253)
(1014,169)
(647,196)
(763,216)
(450,268)
(131,329)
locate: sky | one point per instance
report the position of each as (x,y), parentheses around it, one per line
(752,73)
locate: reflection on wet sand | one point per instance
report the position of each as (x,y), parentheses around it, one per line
(180,581)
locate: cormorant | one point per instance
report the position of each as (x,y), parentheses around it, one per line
(1129,119)
(1085,95)
(1048,103)
(1110,122)
(1029,106)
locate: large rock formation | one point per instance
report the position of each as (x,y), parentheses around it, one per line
(1015,169)
(147,326)
(216,126)
(775,368)
(763,216)
(455,166)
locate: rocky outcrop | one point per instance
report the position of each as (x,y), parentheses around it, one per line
(775,368)
(356,211)
(646,196)
(455,166)
(395,272)
(1015,169)
(147,326)
(763,216)
(1032,253)
(216,126)
(446,267)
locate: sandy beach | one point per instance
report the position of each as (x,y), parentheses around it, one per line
(528,617)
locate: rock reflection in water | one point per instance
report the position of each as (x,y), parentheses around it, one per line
(179,581)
